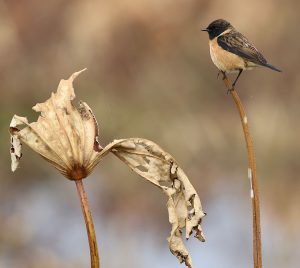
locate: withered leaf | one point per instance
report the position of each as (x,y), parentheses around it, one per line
(157,166)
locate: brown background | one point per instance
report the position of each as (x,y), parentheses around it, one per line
(150,75)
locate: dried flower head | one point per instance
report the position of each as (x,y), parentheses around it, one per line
(65,136)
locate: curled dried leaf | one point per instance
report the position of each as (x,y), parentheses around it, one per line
(184,207)
(65,136)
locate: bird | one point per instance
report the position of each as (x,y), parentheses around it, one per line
(231,51)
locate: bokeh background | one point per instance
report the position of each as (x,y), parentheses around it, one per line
(150,75)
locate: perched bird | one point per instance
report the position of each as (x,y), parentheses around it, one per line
(230,51)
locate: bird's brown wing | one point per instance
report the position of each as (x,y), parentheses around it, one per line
(238,44)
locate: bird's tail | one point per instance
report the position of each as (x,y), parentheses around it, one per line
(272,67)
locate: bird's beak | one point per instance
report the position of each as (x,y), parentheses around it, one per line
(204,30)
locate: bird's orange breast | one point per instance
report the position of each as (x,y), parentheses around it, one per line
(224,60)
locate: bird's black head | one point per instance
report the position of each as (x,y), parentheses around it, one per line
(217,27)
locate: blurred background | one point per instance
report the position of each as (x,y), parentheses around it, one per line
(150,75)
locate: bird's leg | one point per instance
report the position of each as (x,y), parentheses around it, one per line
(218,74)
(240,72)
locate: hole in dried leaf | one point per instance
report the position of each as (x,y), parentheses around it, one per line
(147,160)
(168,184)
(97,147)
(142,168)
(13,130)
(190,207)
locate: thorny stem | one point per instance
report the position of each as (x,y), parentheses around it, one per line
(257,250)
(95,262)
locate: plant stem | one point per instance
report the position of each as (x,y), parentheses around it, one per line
(95,262)
(257,250)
